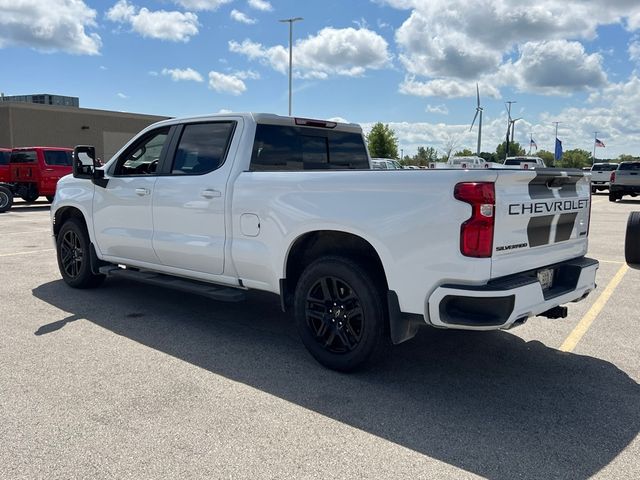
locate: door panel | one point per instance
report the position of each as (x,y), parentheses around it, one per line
(189,204)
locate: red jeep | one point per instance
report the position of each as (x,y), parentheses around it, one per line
(35,171)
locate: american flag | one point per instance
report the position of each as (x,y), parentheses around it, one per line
(599,143)
(533,143)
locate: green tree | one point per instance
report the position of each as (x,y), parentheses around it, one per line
(382,142)
(626,158)
(463,153)
(576,158)
(514,150)
(423,157)
(548,157)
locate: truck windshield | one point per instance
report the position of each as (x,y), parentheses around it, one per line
(57,157)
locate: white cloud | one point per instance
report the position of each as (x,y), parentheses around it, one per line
(634,51)
(238,16)
(554,67)
(441,109)
(446,88)
(178,75)
(223,83)
(473,39)
(210,5)
(121,95)
(173,26)
(247,75)
(260,5)
(49,26)
(346,52)
(225,110)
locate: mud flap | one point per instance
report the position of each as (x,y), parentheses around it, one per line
(402,326)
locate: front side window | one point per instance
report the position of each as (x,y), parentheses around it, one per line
(143,157)
(4,158)
(202,148)
(630,166)
(60,158)
(24,156)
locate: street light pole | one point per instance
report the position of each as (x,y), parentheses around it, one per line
(290,22)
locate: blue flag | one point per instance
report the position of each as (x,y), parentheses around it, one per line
(558,154)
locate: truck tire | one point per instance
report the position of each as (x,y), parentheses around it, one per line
(340,314)
(50,198)
(73,252)
(613,197)
(632,239)
(6,199)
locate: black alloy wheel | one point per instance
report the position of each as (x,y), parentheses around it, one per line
(6,199)
(334,315)
(73,252)
(340,313)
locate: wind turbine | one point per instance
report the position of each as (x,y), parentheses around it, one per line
(478,111)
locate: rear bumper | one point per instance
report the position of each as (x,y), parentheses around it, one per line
(512,299)
(624,189)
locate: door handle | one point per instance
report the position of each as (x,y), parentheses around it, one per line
(142,191)
(211,193)
(48,169)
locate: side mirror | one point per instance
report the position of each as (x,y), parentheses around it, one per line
(84,161)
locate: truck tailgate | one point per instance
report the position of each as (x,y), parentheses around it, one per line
(541,218)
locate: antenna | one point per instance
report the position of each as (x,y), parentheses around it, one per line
(478,111)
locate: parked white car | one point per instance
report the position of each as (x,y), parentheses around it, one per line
(221,204)
(601,175)
(385,164)
(524,162)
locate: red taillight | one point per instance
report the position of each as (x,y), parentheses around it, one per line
(476,234)
(612,178)
(526,166)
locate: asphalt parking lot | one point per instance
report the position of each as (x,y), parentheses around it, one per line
(129,381)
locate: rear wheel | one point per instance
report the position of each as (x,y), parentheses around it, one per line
(632,239)
(73,252)
(31,196)
(6,199)
(340,314)
(50,198)
(612,197)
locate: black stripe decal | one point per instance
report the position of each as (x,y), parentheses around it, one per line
(543,185)
(565,226)
(539,230)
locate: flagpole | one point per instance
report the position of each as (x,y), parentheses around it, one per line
(530,141)
(595,137)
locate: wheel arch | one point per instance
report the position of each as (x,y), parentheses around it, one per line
(312,245)
(63,214)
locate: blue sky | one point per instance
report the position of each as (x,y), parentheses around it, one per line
(411,63)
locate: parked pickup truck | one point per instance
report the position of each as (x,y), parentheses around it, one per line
(221,204)
(469,162)
(524,162)
(625,180)
(601,175)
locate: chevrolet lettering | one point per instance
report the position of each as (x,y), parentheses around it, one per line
(545,207)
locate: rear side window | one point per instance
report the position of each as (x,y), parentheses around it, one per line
(629,166)
(202,148)
(604,167)
(57,157)
(284,148)
(24,156)
(4,158)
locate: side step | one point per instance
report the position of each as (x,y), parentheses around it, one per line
(215,292)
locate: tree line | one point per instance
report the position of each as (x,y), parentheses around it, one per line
(383,143)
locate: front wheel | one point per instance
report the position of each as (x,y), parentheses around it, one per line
(72,247)
(6,199)
(632,239)
(340,313)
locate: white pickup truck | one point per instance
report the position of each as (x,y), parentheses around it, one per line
(524,162)
(220,204)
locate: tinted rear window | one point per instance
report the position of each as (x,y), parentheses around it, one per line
(24,156)
(604,167)
(284,148)
(57,157)
(4,158)
(629,166)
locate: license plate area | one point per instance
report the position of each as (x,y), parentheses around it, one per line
(545,277)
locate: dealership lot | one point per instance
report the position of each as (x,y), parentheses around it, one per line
(133,381)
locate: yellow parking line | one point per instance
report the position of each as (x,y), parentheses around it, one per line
(618,262)
(26,253)
(574,337)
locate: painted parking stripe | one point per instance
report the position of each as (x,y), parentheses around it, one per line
(27,253)
(583,325)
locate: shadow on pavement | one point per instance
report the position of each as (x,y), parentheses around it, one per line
(489,403)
